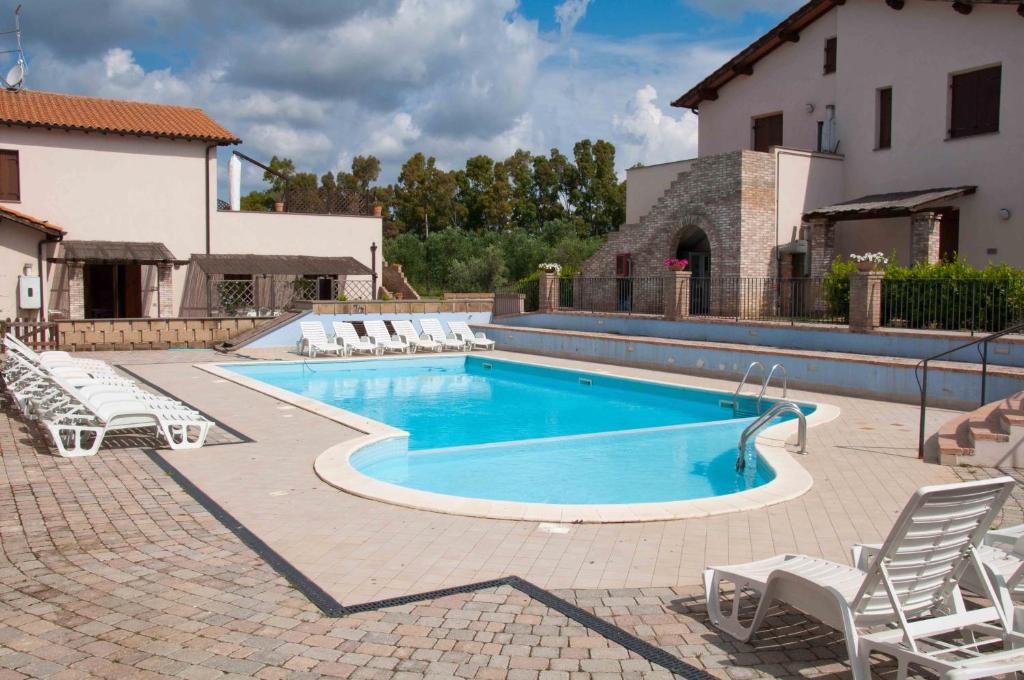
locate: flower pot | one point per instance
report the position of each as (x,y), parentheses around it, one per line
(378,210)
(279,206)
(867,266)
(677,267)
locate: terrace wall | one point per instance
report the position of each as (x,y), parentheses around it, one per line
(129,334)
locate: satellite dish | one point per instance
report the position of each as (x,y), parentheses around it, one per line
(15,77)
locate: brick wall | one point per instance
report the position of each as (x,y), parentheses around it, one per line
(128,334)
(731,197)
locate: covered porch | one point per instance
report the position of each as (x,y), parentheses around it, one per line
(919,226)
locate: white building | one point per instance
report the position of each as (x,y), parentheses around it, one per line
(114,203)
(852,126)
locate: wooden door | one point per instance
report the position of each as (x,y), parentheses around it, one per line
(949,235)
(130,291)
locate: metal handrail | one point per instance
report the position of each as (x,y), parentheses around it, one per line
(922,375)
(768,383)
(765,418)
(739,386)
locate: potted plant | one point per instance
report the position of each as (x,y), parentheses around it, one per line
(676,264)
(550,268)
(869,262)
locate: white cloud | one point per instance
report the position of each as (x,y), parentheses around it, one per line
(392,140)
(737,8)
(652,136)
(568,14)
(290,142)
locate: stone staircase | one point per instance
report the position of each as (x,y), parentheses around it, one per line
(990,436)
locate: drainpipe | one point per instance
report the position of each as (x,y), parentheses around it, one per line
(373,266)
(43,273)
(206,168)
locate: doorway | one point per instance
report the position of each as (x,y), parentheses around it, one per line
(949,236)
(694,247)
(113,291)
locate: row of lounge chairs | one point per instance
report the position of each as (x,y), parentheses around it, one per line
(79,401)
(904,598)
(378,340)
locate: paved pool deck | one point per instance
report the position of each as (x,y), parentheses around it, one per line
(108,568)
(864,467)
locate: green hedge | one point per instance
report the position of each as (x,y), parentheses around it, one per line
(939,296)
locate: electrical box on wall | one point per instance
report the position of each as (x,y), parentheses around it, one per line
(29,293)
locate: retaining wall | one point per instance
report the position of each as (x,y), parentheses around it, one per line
(127,334)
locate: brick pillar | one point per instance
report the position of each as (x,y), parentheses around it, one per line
(76,290)
(677,295)
(822,245)
(164,291)
(865,300)
(548,292)
(924,236)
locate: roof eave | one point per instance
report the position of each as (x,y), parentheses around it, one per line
(219,141)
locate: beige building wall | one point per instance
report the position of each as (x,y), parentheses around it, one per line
(805,180)
(112,187)
(914,51)
(259,233)
(18,245)
(644,186)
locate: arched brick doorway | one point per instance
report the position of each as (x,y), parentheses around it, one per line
(693,245)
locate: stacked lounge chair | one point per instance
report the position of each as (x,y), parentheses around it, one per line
(79,401)
(377,331)
(462,331)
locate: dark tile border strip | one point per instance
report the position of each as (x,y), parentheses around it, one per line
(243,438)
(331,607)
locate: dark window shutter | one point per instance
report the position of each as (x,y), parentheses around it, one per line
(885,118)
(831,46)
(975,102)
(10,183)
(622,265)
(767,132)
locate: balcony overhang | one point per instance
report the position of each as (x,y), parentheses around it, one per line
(880,206)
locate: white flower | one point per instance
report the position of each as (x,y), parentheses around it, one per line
(550,267)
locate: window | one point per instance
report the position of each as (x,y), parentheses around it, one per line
(885,118)
(622,265)
(767,132)
(10,182)
(830,55)
(238,277)
(974,102)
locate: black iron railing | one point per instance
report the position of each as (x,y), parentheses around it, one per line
(632,295)
(516,298)
(921,373)
(951,305)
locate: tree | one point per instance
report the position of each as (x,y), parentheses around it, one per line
(425,197)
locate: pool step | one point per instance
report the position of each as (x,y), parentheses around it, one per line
(990,436)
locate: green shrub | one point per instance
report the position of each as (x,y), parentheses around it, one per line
(836,287)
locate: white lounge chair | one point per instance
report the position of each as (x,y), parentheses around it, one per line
(346,335)
(79,422)
(462,331)
(408,333)
(908,590)
(432,327)
(314,340)
(51,357)
(378,332)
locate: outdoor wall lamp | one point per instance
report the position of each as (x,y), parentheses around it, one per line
(1004,213)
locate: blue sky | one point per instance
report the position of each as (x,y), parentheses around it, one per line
(321,81)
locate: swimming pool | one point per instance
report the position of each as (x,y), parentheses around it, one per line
(476,427)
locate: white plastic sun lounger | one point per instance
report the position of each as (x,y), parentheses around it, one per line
(314,340)
(51,358)
(909,591)
(408,333)
(346,335)
(378,332)
(79,424)
(462,331)
(432,327)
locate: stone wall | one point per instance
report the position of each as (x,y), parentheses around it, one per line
(129,334)
(731,197)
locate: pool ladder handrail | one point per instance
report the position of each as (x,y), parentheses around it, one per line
(739,386)
(763,420)
(768,383)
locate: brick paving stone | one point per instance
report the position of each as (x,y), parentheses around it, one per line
(108,569)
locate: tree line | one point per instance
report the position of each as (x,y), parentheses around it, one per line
(476,227)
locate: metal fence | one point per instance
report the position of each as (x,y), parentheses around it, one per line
(634,295)
(950,305)
(516,298)
(764,299)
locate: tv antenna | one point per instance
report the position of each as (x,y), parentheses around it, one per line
(15,79)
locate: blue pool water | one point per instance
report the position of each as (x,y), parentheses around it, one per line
(486,428)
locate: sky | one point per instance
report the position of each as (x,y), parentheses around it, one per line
(321,81)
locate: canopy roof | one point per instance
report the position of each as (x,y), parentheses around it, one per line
(896,204)
(115,252)
(280,264)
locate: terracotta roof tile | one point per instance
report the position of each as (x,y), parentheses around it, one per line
(29,221)
(72,112)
